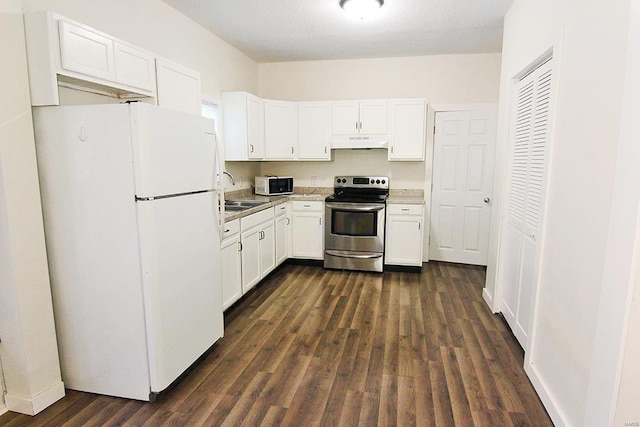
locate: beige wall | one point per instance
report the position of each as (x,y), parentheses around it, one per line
(442,79)
(451,79)
(589,39)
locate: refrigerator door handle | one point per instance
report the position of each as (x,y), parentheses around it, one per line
(218,187)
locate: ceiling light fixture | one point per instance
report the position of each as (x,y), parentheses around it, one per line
(361,9)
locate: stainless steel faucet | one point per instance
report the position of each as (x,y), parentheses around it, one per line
(233,181)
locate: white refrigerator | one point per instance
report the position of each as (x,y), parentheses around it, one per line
(131,213)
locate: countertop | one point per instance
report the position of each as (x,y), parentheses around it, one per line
(408,197)
(301,193)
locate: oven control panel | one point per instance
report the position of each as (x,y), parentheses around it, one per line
(361,182)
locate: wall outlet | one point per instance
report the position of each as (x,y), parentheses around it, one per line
(314,179)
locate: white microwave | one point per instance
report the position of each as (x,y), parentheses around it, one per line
(273,185)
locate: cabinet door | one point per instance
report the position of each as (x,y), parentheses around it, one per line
(373,117)
(280,130)
(267,248)
(231,271)
(255,127)
(251,273)
(308,235)
(345,118)
(134,67)
(314,131)
(407,136)
(404,240)
(86,52)
(282,238)
(178,87)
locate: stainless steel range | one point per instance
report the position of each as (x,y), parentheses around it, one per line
(354,230)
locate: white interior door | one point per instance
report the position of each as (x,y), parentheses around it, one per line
(520,243)
(463,162)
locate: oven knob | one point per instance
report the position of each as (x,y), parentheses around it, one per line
(344,180)
(383,181)
(372,181)
(377,181)
(338,180)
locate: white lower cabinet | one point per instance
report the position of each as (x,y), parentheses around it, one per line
(258,247)
(404,235)
(282,227)
(307,240)
(231,262)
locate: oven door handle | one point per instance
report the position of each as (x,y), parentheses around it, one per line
(342,254)
(359,207)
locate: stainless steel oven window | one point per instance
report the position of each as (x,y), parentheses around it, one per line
(349,223)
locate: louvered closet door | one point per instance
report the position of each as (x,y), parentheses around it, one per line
(520,248)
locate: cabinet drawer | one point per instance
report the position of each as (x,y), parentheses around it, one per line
(280,209)
(404,209)
(230,228)
(257,218)
(307,206)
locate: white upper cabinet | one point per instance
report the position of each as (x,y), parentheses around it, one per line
(86,51)
(359,117)
(178,87)
(243,117)
(135,67)
(62,52)
(280,130)
(407,129)
(314,131)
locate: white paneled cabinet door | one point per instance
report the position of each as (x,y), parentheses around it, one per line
(314,131)
(267,248)
(178,87)
(134,67)
(404,235)
(251,272)
(85,51)
(373,117)
(307,240)
(231,270)
(255,127)
(345,118)
(280,130)
(407,130)
(462,185)
(282,222)
(520,243)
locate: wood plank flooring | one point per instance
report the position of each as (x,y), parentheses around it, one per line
(330,348)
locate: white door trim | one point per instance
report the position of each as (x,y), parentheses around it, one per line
(432,109)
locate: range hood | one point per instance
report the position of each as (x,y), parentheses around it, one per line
(359,141)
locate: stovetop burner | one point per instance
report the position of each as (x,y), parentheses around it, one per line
(360,189)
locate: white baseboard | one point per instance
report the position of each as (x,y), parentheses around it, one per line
(36,404)
(3,409)
(488,299)
(550,404)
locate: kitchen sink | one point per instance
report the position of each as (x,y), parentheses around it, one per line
(240,205)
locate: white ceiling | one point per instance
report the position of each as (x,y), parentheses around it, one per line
(302,30)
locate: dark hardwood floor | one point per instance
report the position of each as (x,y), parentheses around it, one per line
(317,347)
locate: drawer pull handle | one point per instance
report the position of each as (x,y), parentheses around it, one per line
(405,210)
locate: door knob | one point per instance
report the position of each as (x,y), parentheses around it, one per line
(487,199)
